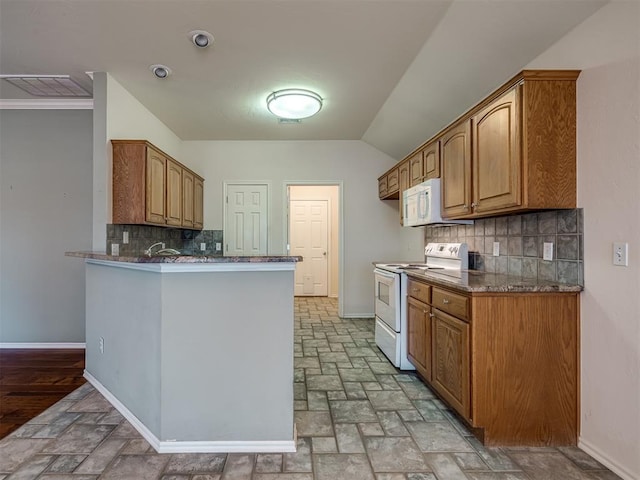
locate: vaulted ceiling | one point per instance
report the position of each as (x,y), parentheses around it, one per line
(391,72)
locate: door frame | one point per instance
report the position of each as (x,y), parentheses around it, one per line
(285,225)
(266,183)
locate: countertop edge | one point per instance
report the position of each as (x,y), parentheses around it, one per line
(186,263)
(504,285)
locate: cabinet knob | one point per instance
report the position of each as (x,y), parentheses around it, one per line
(424,311)
(465,207)
(445,301)
(431,315)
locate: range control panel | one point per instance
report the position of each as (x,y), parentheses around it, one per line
(446,250)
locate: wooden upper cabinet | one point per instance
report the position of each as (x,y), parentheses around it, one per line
(174,194)
(389,185)
(382,187)
(187,199)
(455,148)
(198,203)
(416,171)
(156,211)
(431,160)
(392,182)
(523,155)
(151,188)
(496,154)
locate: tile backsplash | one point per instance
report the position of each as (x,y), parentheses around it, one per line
(142,237)
(521,239)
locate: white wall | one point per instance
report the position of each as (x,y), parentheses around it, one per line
(607,49)
(45,192)
(371,227)
(332,195)
(119,115)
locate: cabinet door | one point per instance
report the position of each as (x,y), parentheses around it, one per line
(450,350)
(174,193)
(392,182)
(416,171)
(187,199)
(403,182)
(419,338)
(156,187)
(496,155)
(456,171)
(382,187)
(198,203)
(431,161)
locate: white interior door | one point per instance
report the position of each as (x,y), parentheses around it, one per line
(246,220)
(308,237)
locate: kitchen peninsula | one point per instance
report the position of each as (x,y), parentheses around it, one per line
(195,351)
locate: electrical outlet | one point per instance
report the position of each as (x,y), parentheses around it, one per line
(164,245)
(125,237)
(218,246)
(203,246)
(621,254)
(101,344)
(496,249)
(115,249)
(547,251)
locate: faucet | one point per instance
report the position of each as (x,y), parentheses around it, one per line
(148,252)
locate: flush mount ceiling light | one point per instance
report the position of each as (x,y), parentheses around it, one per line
(294,103)
(160,71)
(200,38)
(47,85)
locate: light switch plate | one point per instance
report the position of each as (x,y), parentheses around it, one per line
(496,249)
(125,237)
(203,246)
(547,252)
(115,249)
(621,254)
(218,246)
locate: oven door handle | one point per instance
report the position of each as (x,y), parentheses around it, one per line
(384,273)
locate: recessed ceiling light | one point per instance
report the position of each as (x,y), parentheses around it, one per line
(200,38)
(294,103)
(160,71)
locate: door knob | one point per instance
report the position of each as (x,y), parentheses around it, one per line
(324,253)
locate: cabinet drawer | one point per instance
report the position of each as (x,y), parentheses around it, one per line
(454,304)
(419,291)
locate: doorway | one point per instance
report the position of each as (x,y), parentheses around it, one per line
(313,213)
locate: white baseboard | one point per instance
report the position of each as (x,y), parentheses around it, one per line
(358,315)
(600,456)
(43,345)
(191,447)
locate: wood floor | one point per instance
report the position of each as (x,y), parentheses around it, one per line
(33,380)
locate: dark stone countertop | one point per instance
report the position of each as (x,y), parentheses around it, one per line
(482,282)
(184,258)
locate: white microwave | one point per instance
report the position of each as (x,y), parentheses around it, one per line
(421,205)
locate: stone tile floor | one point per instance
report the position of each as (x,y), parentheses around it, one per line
(358,418)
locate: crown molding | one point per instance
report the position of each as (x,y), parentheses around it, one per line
(46,104)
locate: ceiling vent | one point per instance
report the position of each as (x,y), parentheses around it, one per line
(47,85)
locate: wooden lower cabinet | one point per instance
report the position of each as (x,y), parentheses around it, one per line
(450,345)
(419,341)
(510,370)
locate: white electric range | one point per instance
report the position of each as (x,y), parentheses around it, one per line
(449,259)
